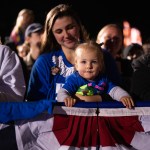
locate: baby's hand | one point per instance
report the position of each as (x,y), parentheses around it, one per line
(127,101)
(69,101)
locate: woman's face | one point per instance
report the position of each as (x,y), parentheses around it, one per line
(66,32)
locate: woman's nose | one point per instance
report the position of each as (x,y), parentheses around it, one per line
(66,33)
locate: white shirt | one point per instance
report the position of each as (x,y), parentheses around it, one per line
(12,83)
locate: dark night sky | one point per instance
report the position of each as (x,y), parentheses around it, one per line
(94,14)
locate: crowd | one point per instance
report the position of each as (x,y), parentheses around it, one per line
(30,39)
(46,53)
(43,61)
(120,46)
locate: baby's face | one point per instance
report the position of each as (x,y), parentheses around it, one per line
(88,64)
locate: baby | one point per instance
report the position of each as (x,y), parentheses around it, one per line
(89,79)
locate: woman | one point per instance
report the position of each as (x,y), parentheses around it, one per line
(63,31)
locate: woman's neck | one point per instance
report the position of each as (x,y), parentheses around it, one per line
(69,53)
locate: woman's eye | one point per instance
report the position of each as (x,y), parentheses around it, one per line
(94,62)
(70,27)
(58,31)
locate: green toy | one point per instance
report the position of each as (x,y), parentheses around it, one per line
(85,90)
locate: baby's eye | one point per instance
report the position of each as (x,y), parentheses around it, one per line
(83,62)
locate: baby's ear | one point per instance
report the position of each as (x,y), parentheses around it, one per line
(75,65)
(76,69)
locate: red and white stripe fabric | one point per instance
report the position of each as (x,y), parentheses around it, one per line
(74,128)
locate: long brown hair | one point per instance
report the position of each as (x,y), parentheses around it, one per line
(49,42)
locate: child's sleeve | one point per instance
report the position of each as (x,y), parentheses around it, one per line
(117,93)
(62,94)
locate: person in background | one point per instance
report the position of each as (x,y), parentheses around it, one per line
(146,46)
(63,31)
(23,50)
(24,18)
(12,89)
(20,54)
(140,82)
(33,38)
(89,78)
(133,51)
(112,37)
(130,34)
(12,81)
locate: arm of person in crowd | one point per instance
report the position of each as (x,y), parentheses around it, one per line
(119,94)
(12,83)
